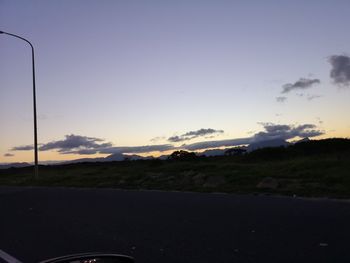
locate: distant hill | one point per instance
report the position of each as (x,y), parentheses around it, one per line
(251,147)
(14,165)
(268,143)
(214,152)
(305,148)
(325,146)
(114,157)
(163,157)
(303,140)
(110,158)
(124,157)
(82,160)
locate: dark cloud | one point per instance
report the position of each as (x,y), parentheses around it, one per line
(281,99)
(302,83)
(122,149)
(8,155)
(286,132)
(340,72)
(138,149)
(194,134)
(23,148)
(71,143)
(271,132)
(81,152)
(75,142)
(176,139)
(202,132)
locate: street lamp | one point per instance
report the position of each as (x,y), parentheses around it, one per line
(36,170)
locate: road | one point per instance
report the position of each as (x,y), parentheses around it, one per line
(39,223)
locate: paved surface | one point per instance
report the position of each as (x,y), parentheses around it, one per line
(38,223)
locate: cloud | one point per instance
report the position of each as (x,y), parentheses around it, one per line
(82,152)
(319,120)
(138,149)
(302,83)
(215,144)
(75,142)
(281,99)
(82,145)
(312,97)
(194,134)
(176,139)
(286,132)
(8,155)
(340,72)
(22,148)
(123,149)
(271,132)
(157,139)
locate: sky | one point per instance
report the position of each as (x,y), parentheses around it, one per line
(150,77)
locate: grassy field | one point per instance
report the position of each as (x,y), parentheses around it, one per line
(310,169)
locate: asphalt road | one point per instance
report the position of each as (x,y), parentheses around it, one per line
(39,223)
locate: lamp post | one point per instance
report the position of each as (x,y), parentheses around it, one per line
(36,170)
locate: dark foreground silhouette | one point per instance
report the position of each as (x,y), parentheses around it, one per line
(311,168)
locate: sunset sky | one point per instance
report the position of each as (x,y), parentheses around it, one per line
(149,77)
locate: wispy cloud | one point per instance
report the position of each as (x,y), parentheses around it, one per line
(157,139)
(138,149)
(319,120)
(22,148)
(215,144)
(123,149)
(194,134)
(340,72)
(302,83)
(312,97)
(281,99)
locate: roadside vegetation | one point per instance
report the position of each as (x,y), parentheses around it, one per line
(314,168)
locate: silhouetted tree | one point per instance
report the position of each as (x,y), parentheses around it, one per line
(182,155)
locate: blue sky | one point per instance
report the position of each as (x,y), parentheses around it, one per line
(131,71)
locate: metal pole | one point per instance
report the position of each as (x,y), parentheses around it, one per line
(36,159)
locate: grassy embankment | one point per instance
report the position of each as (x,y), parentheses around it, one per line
(316,168)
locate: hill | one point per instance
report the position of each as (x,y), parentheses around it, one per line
(13,165)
